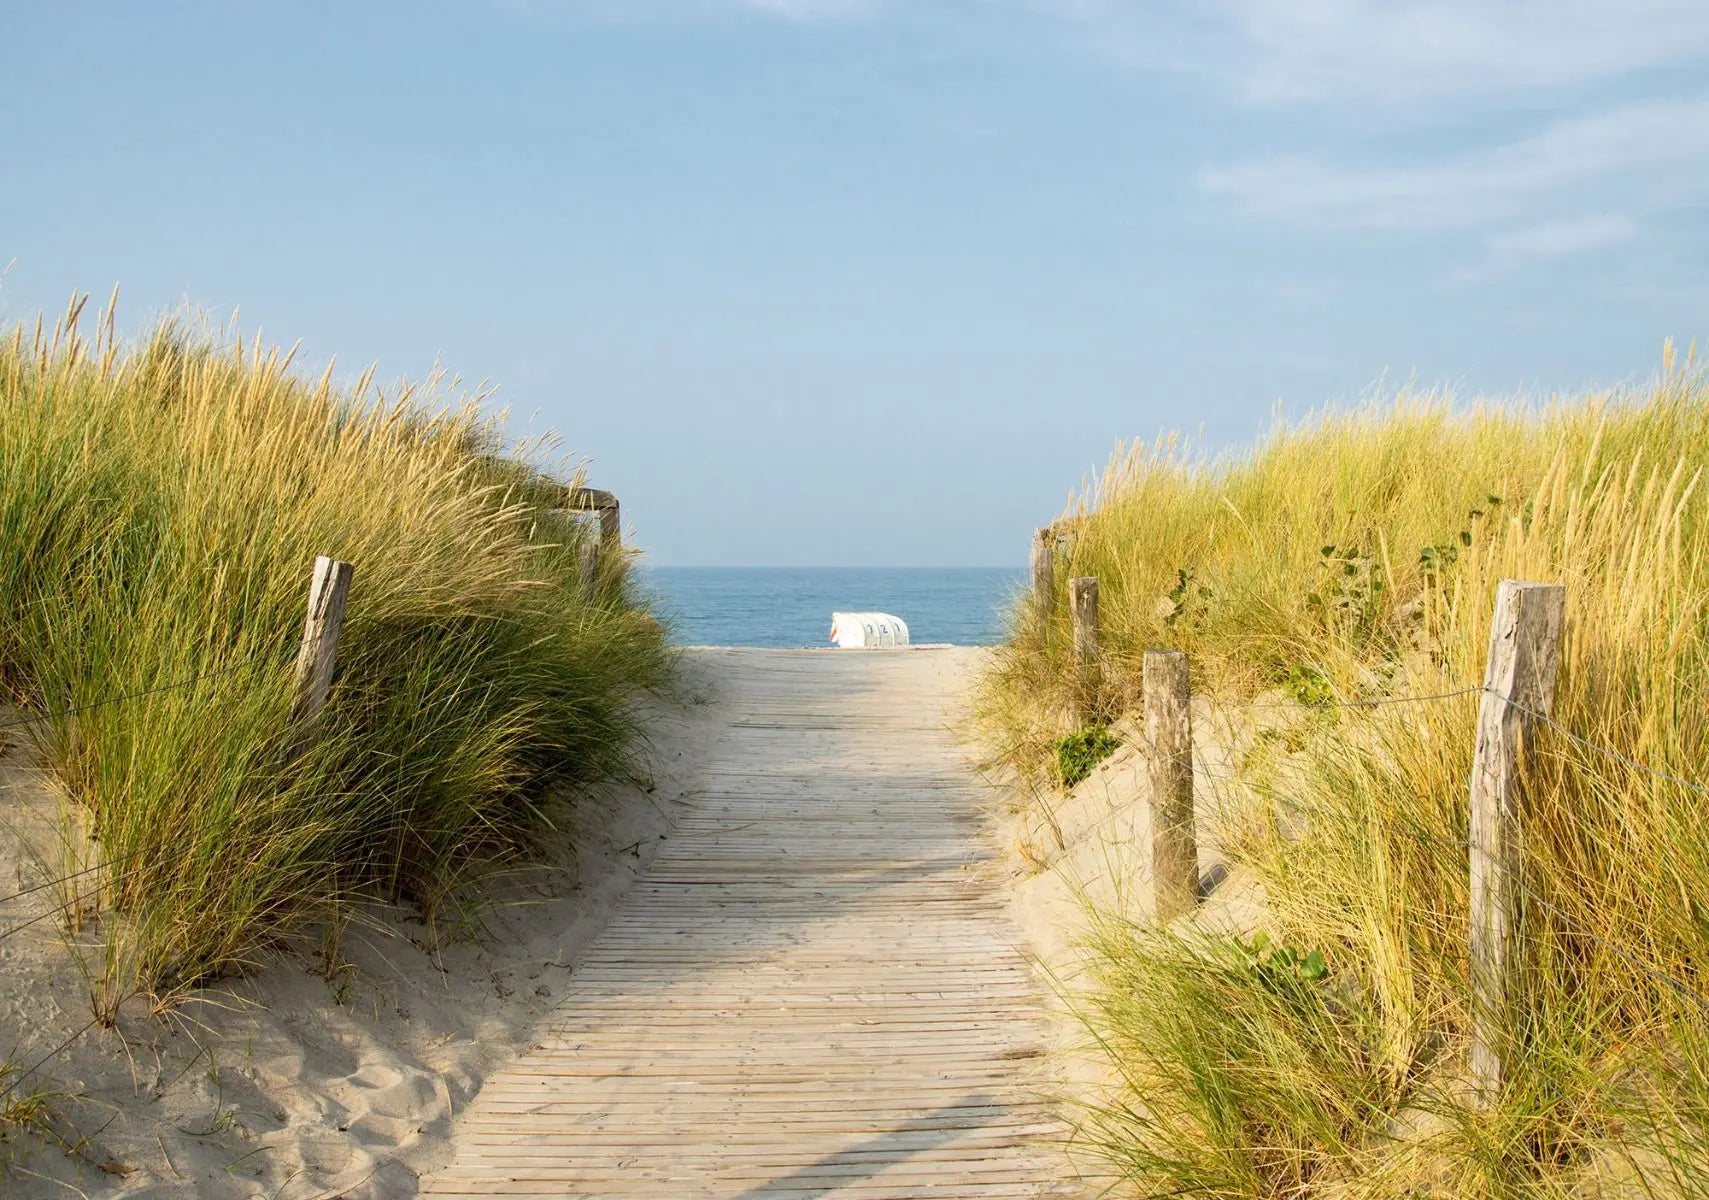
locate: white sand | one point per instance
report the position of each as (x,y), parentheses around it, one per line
(1090,850)
(1092,847)
(289,1084)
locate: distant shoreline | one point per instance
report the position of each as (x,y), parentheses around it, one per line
(790,607)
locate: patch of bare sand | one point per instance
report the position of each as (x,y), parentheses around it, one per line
(311,1078)
(1091,848)
(1089,852)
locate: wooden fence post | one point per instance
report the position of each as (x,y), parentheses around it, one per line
(1044,573)
(587,562)
(604,503)
(1169,766)
(611,524)
(328,589)
(1083,596)
(1519,680)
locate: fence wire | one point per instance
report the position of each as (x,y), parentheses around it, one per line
(60,714)
(1608,751)
(1374,702)
(18,722)
(1305,706)
(79,898)
(46,1058)
(245,668)
(1457,845)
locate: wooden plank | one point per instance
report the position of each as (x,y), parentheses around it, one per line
(815,988)
(604,503)
(587,565)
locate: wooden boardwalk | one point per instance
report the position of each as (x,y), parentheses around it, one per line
(815,991)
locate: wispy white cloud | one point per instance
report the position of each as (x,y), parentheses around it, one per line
(1655,151)
(1399,49)
(1391,51)
(1513,203)
(1561,238)
(1513,249)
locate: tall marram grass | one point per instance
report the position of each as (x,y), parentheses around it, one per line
(160,507)
(1357,556)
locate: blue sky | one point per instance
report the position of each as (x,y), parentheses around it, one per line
(872,281)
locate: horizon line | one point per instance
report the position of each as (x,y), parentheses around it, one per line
(674,566)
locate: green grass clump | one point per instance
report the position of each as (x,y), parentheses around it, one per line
(1357,557)
(160,509)
(1078,752)
(32,1113)
(1266,1100)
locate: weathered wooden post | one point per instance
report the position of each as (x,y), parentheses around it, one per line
(1519,681)
(587,563)
(611,523)
(1083,598)
(1169,766)
(329,586)
(1044,574)
(605,505)
(610,513)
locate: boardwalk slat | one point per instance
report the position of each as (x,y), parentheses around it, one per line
(814,991)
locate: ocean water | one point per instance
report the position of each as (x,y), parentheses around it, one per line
(792,606)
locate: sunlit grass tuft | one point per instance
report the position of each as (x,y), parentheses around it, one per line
(1353,557)
(160,508)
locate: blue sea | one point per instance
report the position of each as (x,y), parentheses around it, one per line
(792,606)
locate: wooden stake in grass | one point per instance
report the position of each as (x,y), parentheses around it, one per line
(1169,765)
(328,589)
(587,564)
(610,513)
(1044,573)
(1519,687)
(1083,597)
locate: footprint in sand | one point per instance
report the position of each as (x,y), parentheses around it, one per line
(393,1105)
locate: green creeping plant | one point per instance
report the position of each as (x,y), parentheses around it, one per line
(1187,599)
(1350,586)
(1082,750)
(1435,560)
(1271,965)
(1308,685)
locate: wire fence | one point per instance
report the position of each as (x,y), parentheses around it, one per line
(1374,702)
(18,722)
(1475,690)
(1296,805)
(1293,804)
(74,901)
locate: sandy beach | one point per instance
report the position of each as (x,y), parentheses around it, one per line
(311,1077)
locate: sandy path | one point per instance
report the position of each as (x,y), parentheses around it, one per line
(312,1079)
(814,990)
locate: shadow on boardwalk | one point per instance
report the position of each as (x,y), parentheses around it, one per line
(879,1153)
(815,989)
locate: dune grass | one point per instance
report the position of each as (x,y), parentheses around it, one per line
(31,1108)
(160,509)
(1356,556)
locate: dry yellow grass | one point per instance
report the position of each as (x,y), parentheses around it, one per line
(1357,556)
